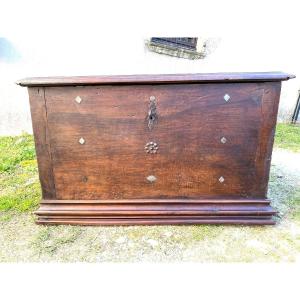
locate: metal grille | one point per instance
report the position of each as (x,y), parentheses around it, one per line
(184,42)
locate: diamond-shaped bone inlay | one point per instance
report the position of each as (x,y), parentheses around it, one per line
(223,140)
(81,141)
(151,147)
(151,178)
(226,97)
(221,179)
(78,99)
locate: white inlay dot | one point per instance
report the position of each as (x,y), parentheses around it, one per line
(223,140)
(78,99)
(221,179)
(226,97)
(151,178)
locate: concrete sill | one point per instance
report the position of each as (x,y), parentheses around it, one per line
(174,51)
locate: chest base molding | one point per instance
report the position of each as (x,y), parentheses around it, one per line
(156,212)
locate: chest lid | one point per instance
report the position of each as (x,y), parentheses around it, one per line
(156,79)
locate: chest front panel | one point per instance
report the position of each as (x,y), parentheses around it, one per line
(157,141)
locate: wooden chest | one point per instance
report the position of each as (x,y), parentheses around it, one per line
(155,149)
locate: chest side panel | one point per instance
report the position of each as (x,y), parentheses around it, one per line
(42,141)
(206,146)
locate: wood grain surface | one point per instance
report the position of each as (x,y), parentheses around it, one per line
(42,144)
(157,79)
(190,159)
(211,164)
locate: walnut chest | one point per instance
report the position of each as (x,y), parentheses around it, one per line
(155,149)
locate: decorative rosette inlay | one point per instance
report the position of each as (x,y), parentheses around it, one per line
(151,147)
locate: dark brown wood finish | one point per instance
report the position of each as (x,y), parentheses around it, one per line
(190,159)
(155,79)
(42,144)
(199,179)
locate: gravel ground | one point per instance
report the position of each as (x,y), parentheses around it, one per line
(23,241)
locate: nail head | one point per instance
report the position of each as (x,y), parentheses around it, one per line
(151,178)
(223,140)
(226,97)
(78,99)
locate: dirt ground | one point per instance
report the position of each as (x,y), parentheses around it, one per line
(21,240)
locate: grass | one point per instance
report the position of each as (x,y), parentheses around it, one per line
(19,184)
(15,150)
(49,240)
(295,206)
(287,137)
